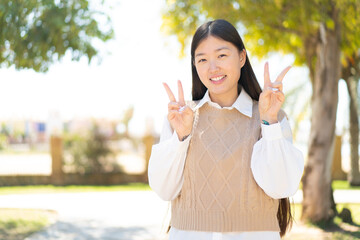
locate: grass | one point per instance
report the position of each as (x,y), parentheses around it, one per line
(17,224)
(73,188)
(337,185)
(353,207)
(340,185)
(343,185)
(335,231)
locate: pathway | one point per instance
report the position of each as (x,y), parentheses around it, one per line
(111,215)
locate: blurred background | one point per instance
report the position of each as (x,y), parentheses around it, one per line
(82,103)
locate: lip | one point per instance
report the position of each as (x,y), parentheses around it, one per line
(220,81)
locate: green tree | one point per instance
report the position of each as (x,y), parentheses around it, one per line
(36,33)
(318,33)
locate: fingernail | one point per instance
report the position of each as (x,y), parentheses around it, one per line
(182,108)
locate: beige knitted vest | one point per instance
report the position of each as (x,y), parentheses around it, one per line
(219,193)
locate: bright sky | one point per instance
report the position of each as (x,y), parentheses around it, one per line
(139,59)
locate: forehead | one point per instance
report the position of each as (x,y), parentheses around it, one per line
(212,44)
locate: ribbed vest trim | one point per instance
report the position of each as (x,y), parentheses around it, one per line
(206,221)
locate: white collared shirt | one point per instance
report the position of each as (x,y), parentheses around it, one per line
(277,167)
(243,103)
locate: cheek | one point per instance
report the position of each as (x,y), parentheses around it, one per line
(237,69)
(202,74)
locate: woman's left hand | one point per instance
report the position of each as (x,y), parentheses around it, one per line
(272,97)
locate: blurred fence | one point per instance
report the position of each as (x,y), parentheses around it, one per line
(43,169)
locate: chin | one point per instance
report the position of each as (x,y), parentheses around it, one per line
(218,90)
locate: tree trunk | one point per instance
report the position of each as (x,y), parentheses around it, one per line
(354,174)
(317,175)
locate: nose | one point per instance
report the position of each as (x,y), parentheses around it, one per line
(213,67)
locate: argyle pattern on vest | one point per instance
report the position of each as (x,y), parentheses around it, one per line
(219,193)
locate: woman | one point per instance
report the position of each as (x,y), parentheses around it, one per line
(226,160)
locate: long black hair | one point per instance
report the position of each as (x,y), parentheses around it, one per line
(224,30)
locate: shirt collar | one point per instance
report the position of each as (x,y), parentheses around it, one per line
(243,103)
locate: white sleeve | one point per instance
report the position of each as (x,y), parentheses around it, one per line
(166,164)
(277,165)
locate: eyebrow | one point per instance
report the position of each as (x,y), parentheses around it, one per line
(219,49)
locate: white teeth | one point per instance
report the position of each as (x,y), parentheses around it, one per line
(217,78)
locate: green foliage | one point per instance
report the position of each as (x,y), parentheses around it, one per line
(35,33)
(89,153)
(270,25)
(350,26)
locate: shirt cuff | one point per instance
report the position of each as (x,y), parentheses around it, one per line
(175,140)
(271,132)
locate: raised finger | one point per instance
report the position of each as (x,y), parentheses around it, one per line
(181,94)
(282,74)
(266,75)
(169,93)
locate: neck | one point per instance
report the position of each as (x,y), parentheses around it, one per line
(224,100)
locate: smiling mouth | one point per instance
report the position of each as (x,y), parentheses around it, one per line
(216,79)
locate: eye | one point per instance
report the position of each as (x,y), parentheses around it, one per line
(222,55)
(202,60)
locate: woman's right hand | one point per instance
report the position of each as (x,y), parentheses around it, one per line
(180,115)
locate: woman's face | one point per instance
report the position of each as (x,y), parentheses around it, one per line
(218,64)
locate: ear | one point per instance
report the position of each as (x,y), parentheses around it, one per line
(242,56)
